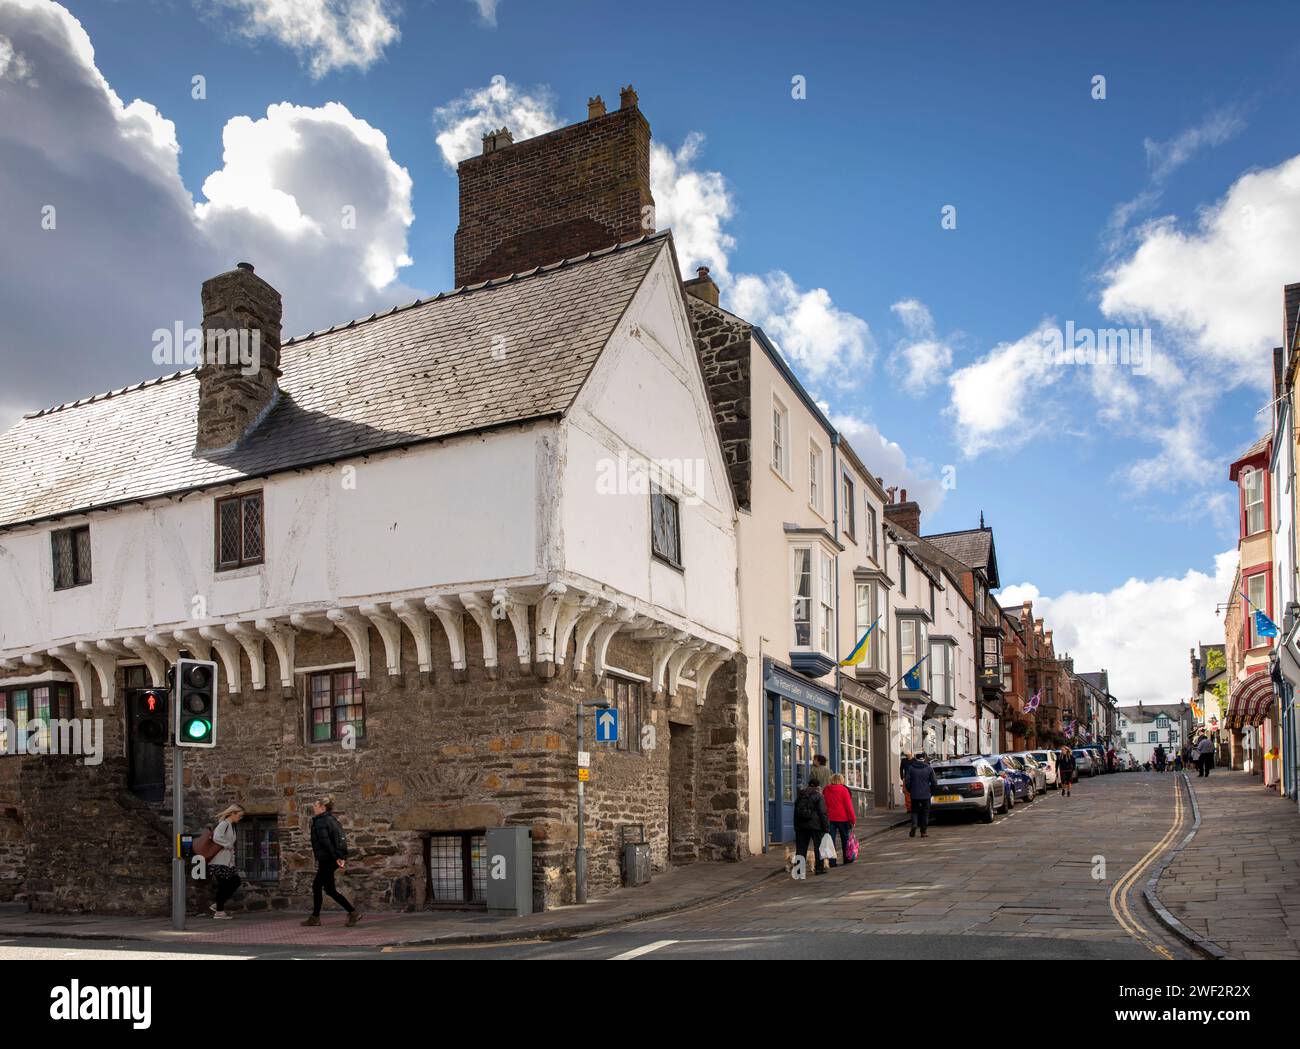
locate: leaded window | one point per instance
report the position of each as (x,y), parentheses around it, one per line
(336,702)
(665,528)
(239,531)
(71,548)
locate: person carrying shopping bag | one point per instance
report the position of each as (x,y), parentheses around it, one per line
(222,866)
(839,810)
(810,823)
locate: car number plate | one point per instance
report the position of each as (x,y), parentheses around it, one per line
(947,797)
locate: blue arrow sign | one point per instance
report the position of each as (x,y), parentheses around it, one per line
(607,725)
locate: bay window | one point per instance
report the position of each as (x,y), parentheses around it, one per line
(1252,487)
(813,599)
(913,644)
(869,607)
(941,670)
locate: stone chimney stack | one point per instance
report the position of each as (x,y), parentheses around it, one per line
(574,190)
(702,286)
(906,513)
(239,376)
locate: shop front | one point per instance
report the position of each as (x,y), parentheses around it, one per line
(801,722)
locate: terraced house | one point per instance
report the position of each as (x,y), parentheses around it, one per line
(413,543)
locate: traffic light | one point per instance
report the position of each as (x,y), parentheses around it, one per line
(150,715)
(196,703)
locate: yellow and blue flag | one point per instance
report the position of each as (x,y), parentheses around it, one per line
(860,650)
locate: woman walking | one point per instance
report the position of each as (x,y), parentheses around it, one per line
(1065,765)
(222,868)
(331,852)
(839,810)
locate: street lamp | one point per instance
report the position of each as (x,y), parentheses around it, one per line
(580,859)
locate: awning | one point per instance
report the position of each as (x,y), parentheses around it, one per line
(1250,698)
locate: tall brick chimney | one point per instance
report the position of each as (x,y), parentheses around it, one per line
(570,191)
(906,513)
(238,379)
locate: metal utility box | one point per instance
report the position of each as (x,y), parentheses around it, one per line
(636,863)
(510,870)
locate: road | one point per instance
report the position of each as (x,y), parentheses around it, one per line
(1057,878)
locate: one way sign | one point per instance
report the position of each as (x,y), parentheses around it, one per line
(607,725)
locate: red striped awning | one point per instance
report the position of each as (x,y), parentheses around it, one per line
(1249,699)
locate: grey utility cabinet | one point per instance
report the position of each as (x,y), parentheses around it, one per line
(510,870)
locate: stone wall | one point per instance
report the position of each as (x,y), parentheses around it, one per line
(445,751)
(13,851)
(723,343)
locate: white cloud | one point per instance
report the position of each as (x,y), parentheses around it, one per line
(1216,288)
(695,204)
(462,123)
(825,341)
(487,10)
(328,34)
(1140,632)
(922,359)
(993,400)
(1164,158)
(130,248)
(13,63)
(887,460)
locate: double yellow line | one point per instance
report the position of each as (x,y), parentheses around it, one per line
(1119,904)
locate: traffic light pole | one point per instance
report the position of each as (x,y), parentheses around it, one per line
(178,825)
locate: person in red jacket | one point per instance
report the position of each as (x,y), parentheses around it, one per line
(839,810)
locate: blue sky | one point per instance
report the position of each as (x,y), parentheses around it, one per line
(1107,489)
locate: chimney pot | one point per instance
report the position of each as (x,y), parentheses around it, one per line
(595,107)
(702,272)
(498,139)
(627,98)
(244,266)
(702,287)
(904,495)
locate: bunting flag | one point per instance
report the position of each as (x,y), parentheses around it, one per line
(1034,700)
(912,680)
(860,650)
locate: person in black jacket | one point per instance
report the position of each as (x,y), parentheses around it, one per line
(331,852)
(921,785)
(810,823)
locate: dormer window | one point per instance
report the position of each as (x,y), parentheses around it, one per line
(1252,488)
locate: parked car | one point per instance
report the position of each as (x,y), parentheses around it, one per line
(1047,759)
(969,785)
(1035,769)
(1085,762)
(1099,755)
(1020,782)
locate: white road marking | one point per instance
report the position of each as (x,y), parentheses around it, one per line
(636,952)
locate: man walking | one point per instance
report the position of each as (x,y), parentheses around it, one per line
(1204,756)
(921,784)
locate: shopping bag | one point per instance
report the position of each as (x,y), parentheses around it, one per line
(826,850)
(851,848)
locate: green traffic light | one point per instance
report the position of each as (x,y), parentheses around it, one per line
(198,728)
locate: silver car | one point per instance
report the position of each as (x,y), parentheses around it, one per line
(1034,768)
(969,785)
(1085,762)
(1046,758)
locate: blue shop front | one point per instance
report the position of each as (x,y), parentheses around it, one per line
(801,721)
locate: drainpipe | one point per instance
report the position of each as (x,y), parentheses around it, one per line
(835,534)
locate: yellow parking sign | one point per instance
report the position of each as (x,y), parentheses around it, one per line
(584,775)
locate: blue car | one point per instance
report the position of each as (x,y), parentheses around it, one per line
(1021,784)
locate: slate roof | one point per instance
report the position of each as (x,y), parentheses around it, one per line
(414,373)
(973,548)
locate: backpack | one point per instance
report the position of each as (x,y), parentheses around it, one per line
(805,809)
(205,846)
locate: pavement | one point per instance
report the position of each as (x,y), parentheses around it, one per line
(672,891)
(1235,883)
